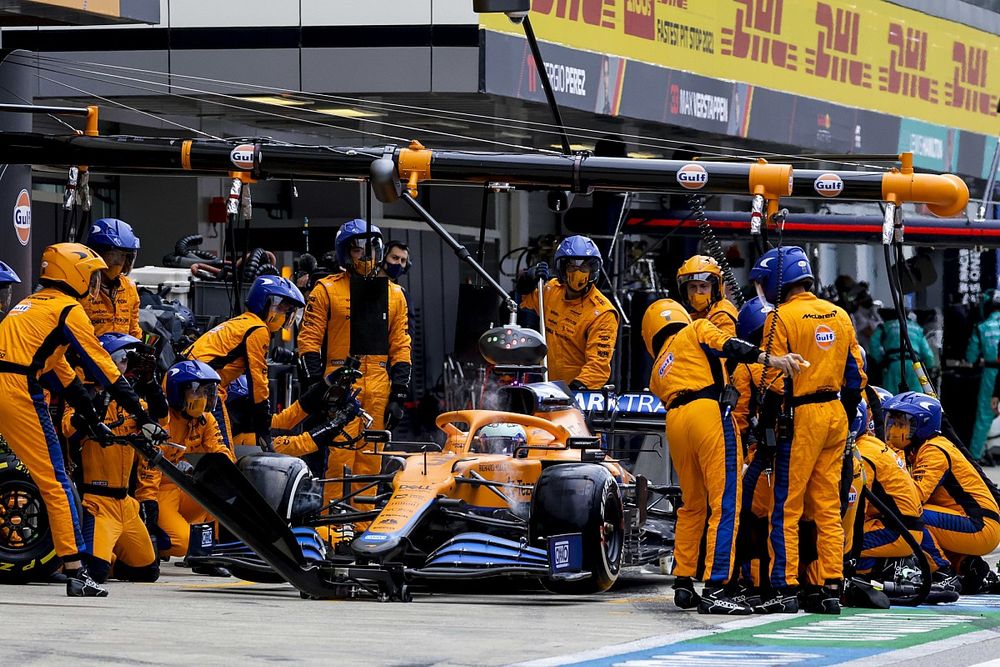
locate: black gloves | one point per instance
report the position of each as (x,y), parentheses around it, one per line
(149,512)
(313,363)
(395,410)
(262,420)
(126,397)
(576,385)
(527,281)
(324,434)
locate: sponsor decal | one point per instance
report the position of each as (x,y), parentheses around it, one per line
(668,363)
(22,217)
(698,105)
(374,537)
(828,185)
(21,307)
(561,552)
(692,176)
(825,337)
(242,156)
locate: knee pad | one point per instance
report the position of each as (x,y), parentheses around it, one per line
(97,568)
(145,574)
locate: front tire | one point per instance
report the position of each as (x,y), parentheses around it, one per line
(26,550)
(581,498)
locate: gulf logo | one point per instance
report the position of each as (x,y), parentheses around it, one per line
(667,364)
(692,176)
(242,156)
(825,337)
(828,185)
(22,217)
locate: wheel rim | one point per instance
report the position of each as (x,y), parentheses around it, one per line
(612,537)
(22,517)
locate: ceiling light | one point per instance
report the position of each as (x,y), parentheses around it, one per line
(575,147)
(644,156)
(347,112)
(277,100)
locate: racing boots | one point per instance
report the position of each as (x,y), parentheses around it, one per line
(79,584)
(685,596)
(715,600)
(781,601)
(974,573)
(822,600)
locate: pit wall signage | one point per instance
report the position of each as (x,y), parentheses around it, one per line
(872,54)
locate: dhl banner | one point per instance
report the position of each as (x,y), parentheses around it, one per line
(867,54)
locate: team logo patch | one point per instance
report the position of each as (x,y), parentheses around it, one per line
(667,364)
(692,176)
(22,217)
(825,337)
(852,497)
(828,185)
(242,156)
(21,307)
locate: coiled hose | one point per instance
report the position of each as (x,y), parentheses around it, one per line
(714,248)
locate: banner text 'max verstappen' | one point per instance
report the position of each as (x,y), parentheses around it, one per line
(867,54)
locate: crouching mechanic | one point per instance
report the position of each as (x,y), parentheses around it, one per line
(809,461)
(581,325)
(192,388)
(115,307)
(887,478)
(689,377)
(34,339)
(959,504)
(701,290)
(115,523)
(240,345)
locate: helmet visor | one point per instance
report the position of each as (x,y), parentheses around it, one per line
(705,276)
(94,288)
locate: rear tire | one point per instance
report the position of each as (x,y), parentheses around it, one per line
(581,498)
(26,550)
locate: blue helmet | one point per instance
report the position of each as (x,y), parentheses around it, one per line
(795,268)
(859,424)
(8,275)
(751,318)
(266,288)
(359,231)
(924,412)
(184,373)
(113,342)
(238,388)
(581,251)
(112,233)
(883,394)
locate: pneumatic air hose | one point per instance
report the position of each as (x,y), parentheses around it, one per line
(714,248)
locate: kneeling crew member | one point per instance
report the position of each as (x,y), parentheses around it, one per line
(809,462)
(581,325)
(689,377)
(34,339)
(890,482)
(192,388)
(959,508)
(114,523)
(701,289)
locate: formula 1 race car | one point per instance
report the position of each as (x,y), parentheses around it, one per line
(527,491)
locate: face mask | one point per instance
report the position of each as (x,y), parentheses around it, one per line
(700,302)
(577,280)
(392,270)
(195,407)
(897,436)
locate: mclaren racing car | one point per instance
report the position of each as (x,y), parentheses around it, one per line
(527,491)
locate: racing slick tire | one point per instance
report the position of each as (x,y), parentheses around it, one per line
(26,550)
(581,498)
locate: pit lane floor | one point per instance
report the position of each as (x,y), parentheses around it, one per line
(185,619)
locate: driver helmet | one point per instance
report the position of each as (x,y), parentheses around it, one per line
(499,439)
